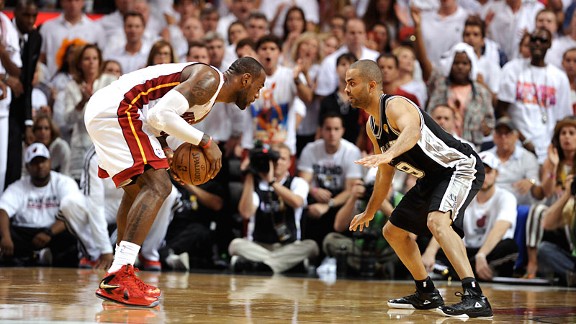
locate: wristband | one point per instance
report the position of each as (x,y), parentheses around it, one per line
(480,255)
(331,203)
(205,146)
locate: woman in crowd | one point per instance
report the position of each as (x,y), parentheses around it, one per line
(46,132)
(161,52)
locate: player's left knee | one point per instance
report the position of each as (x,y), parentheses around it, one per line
(438,222)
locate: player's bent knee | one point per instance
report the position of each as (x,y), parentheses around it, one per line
(437,222)
(392,232)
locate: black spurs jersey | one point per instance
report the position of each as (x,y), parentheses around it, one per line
(435,154)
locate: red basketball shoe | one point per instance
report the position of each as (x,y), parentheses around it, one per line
(149,290)
(123,287)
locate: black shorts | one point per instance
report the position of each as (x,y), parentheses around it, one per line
(450,193)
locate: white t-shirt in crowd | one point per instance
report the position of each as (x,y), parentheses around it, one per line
(330,171)
(36,207)
(539,97)
(479,219)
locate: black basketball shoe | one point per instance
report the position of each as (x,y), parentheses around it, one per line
(418,300)
(473,305)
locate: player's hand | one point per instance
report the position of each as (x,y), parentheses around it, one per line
(374,160)
(104,262)
(214,157)
(482,268)
(6,247)
(362,220)
(41,240)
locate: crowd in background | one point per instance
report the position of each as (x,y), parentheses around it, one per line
(499,75)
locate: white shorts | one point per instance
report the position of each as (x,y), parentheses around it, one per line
(122,145)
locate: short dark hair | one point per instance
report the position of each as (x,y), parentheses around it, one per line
(350,57)
(331,114)
(389,56)
(369,70)
(269,39)
(134,14)
(475,20)
(246,42)
(246,65)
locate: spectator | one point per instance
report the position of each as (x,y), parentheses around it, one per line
(488,53)
(28,210)
(239,10)
(557,168)
(87,80)
(294,26)
(209,18)
(535,95)
(20,117)
(448,21)
(47,133)
(111,22)
(257,26)
(161,53)
(272,202)
(445,116)
(338,102)
(560,45)
(555,258)
(217,51)
(502,31)
(276,12)
(407,79)
(330,44)
(383,13)
(355,38)
(489,223)
(457,85)
(246,47)
(569,66)
(132,56)
(327,164)
(276,114)
(518,170)
(89,214)
(389,65)
(198,52)
(112,67)
(192,31)
(71,24)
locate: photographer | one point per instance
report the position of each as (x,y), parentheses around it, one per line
(365,253)
(558,258)
(272,202)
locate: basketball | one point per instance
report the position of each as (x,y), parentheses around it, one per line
(190,164)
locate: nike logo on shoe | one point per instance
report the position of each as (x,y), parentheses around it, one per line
(104,283)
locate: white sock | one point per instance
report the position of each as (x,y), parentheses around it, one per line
(126,253)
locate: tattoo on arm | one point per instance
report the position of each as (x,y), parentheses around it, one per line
(203,88)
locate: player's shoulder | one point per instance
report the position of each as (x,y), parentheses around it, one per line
(195,69)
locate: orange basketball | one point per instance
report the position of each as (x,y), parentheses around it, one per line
(190,164)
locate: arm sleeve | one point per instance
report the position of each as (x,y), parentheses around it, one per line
(165,116)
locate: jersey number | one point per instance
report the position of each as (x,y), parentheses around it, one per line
(405,167)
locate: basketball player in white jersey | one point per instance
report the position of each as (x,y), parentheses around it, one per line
(124,120)
(449,175)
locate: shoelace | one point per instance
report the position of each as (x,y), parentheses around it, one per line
(136,283)
(141,284)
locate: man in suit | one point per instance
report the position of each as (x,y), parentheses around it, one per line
(20,118)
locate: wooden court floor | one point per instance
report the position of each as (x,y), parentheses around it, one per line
(51,295)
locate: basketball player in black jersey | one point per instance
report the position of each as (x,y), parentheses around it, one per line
(449,175)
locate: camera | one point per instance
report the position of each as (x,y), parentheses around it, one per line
(260,157)
(369,188)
